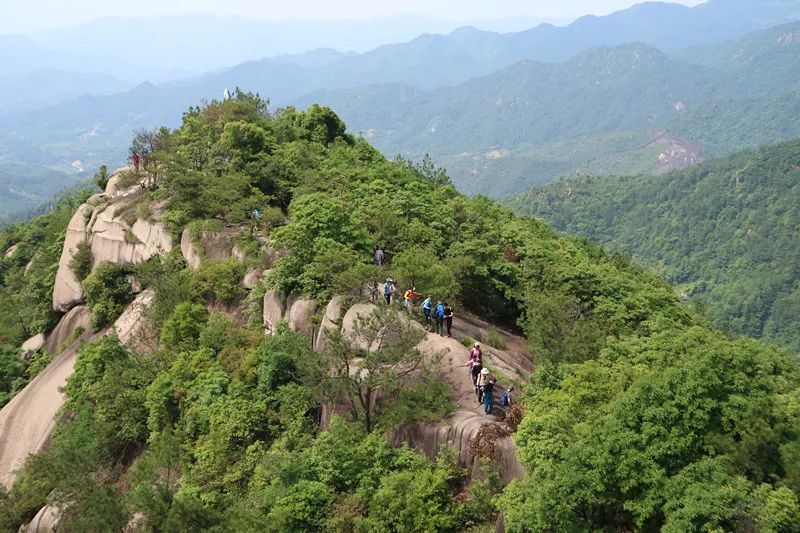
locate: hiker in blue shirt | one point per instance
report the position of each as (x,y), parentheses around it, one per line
(440,319)
(388,289)
(427,307)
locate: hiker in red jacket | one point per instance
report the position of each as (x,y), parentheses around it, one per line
(475,362)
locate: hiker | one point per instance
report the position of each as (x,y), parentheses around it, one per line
(408,298)
(507,400)
(475,362)
(377,256)
(373,291)
(483,379)
(136,159)
(448,318)
(488,396)
(388,288)
(395,291)
(427,308)
(440,318)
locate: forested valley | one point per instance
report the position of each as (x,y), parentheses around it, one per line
(726,233)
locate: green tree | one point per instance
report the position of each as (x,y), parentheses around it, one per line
(181,331)
(375,362)
(101,177)
(421,268)
(107,291)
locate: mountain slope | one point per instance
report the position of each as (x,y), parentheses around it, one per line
(233,416)
(726,232)
(40,88)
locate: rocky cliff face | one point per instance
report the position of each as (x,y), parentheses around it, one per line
(115,232)
(674,153)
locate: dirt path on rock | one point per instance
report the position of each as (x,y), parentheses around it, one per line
(26,422)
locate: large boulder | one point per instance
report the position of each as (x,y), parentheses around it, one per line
(130,326)
(464,433)
(12,250)
(31,346)
(77,317)
(332,321)
(113,186)
(27,421)
(67,291)
(349,322)
(47,520)
(193,258)
(273,311)
(254,277)
(106,228)
(113,240)
(300,314)
(213,246)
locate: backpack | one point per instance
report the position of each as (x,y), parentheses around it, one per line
(504,399)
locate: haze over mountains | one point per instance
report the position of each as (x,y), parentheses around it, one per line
(526,106)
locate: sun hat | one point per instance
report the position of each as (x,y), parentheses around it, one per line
(485,371)
(477,343)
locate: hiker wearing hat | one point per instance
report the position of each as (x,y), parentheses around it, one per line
(480,385)
(388,289)
(408,298)
(488,396)
(475,362)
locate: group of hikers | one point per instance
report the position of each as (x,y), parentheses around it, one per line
(484,382)
(440,316)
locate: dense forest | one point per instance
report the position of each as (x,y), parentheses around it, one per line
(639,416)
(725,232)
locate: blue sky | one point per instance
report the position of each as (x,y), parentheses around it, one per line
(26,15)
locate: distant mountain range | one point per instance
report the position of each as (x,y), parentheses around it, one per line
(725,232)
(501,111)
(596,113)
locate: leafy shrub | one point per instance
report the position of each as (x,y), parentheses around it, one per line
(421,268)
(493,338)
(101,177)
(181,331)
(12,373)
(81,262)
(221,281)
(107,292)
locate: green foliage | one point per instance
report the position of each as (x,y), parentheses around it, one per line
(101,177)
(410,501)
(28,274)
(383,346)
(12,373)
(221,281)
(181,331)
(724,232)
(107,291)
(421,268)
(81,262)
(559,329)
(639,417)
(673,431)
(303,508)
(493,338)
(353,281)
